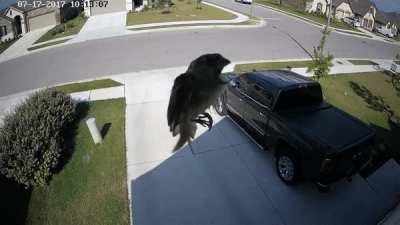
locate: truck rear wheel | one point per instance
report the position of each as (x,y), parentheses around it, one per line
(287,167)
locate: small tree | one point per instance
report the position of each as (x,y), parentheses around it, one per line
(321,63)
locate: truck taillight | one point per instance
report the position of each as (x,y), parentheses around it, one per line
(326,166)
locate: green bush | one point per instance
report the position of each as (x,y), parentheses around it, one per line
(32,137)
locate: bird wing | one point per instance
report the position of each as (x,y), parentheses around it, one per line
(179,100)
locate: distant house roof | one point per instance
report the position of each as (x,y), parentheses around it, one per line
(361,7)
(394,18)
(4,17)
(382,17)
(3,11)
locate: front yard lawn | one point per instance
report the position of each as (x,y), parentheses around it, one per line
(320,20)
(181,11)
(271,65)
(362,62)
(71,27)
(91,188)
(365,95)
(5,45)
(86,86)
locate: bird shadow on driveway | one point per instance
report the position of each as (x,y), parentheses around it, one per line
(230,180)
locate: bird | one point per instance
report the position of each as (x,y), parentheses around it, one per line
(192,93)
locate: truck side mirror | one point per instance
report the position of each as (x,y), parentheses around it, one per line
(234,83)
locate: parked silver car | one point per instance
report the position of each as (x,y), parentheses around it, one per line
(352,21)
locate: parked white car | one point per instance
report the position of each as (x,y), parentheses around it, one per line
(352,21)
(245,1)
(385,31)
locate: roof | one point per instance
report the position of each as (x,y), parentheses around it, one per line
(393,17)
(382,17)
(281,78)
(3,15)
(385,17)
(361,7)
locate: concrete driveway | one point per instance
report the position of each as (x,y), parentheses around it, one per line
(20,47)
(227,179)
(102,26)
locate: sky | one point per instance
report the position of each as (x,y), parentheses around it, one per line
(388,5)
(384,5)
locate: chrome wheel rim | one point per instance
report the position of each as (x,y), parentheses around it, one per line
(219,105)
(286,168)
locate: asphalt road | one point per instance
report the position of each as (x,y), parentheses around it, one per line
(154,50)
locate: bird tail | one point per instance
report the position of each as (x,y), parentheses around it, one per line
(186,132)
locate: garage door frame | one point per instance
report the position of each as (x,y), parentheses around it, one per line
(53,23)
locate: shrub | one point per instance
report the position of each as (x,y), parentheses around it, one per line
(31,139)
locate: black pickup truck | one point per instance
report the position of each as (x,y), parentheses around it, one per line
(310,138)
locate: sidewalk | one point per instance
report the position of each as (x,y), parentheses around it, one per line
(20,47)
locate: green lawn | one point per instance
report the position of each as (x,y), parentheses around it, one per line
(76,23)
(47,44)
(4,46)
(362,62)
(364,96)
(86,86)
(270,65)
(91,188)
(181,11)
(316,19)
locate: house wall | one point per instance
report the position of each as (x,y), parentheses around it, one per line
(368,20)
(343,10)
(10,30)
(12,13)
(314,5)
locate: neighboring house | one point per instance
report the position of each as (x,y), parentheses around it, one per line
(318,6)
(7,32)
(394,20)
(342,9)
(365,12)
(27,17)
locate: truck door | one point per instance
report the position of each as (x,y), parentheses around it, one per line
(236,95)
(258,107)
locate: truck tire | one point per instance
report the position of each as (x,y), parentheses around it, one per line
(219,105)
(287,167)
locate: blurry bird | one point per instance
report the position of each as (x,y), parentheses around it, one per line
(193,92)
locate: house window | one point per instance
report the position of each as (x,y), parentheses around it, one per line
(10,13)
